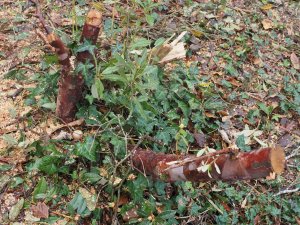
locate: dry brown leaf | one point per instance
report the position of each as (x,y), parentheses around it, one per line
(131,214)
(200,139)
(123,200)
(177,52)
(257,220)
(41,210)
(244,203)
(295,61)
(259,62)
(197,33)
(234,82)
(267,24)
(210,115)
(271,176)
(266,7)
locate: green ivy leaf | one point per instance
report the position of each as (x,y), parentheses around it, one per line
(79,205)
(5,167)
(87,149)
(50,105)
(140,43)
(48,164)
(40,188)
(240,142)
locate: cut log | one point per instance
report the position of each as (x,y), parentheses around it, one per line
(221,165)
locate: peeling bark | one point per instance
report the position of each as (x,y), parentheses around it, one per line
(70,86)
(222,165)
(90,33)
(70,90)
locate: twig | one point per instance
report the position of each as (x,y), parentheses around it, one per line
(240,9)
(44,38)
(209,155)
(287,191)
(293,154)
(4,160)
(152,139)
(131,152)
(63,215)
(40,16)
(69,125)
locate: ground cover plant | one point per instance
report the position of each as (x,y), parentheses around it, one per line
(237,85)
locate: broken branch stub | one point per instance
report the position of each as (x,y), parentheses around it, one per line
(68,96)
(90,33)
(70,86)
(227,166)
(70,91)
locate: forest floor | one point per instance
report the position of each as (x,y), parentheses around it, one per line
(238,85)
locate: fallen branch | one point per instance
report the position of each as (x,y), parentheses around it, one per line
(222,165)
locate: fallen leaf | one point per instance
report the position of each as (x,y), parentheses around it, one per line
(30,218)
(15,210)
(195,47)
(131,214)
(3,181)
(41,210)
(295,61)
(224,136)
(259,62)
(123,200)
(285,140)
(91,200)
(271,176)
(197,33)
(257,220)
(63,135)
(244,203)
(210,115)
(225,206)
(266,7)
(234,82)
(204,84)
(267,24)
(200,139)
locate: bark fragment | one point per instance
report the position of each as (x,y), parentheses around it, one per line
(223,165)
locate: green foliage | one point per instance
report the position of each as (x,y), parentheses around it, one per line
(78,205)
(129,97)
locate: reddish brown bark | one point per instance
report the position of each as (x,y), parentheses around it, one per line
(90,33)
(70,90)
(70,86)
(68,96)
(224,165)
